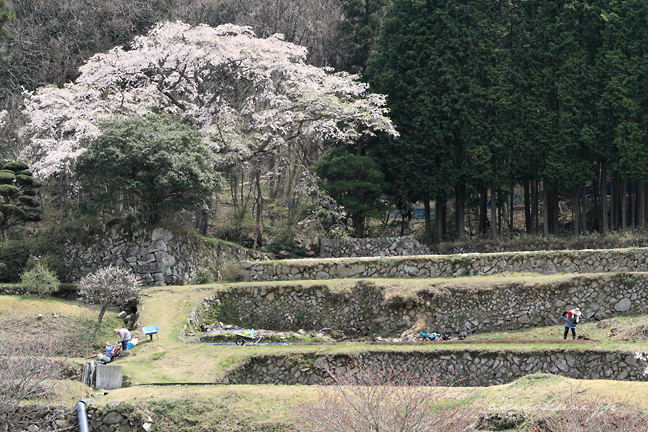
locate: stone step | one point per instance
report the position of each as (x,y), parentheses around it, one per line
(433,266)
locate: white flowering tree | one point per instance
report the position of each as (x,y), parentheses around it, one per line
(251,95)
(108,286)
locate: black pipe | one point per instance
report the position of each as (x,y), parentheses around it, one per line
(82,416)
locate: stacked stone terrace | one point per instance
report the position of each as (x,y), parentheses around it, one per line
(471,367)
(366,310)
(603,283)
(434,266)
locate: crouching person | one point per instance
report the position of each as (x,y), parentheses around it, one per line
(124,337)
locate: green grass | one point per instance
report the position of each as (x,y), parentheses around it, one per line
(168,360)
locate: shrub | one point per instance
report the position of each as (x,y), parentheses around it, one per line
(230,270)
(110,285)
(203,277)
(375,397)
(49,260)
(13,259)
(40,280)
(27,371)
(68,291)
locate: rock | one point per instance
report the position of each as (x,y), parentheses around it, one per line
(39,317)
(121,314)
(603,324)
(623,305)
(500,421)
(113,418)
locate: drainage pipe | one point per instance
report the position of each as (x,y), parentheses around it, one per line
(82,416)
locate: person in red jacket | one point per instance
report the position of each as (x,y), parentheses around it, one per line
(572,318)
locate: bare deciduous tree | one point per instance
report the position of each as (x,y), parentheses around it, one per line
(110,285)
(28,372)
(376,397)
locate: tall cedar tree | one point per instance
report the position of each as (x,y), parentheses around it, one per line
(433,61)
(355,182)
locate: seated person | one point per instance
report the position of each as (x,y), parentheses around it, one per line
(111,351)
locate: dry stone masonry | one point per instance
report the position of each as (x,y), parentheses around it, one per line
(116,416)
(158,256)
(466,368)
(430,266)
(372,247)
(366,310)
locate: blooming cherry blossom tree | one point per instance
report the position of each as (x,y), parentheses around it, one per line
(109,285)
(251,96)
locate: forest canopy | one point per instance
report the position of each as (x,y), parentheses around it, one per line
(532,104)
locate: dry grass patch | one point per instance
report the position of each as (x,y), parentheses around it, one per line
(71,324)
(535,396)
(542,394)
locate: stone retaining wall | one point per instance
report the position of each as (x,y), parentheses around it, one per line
(368,308)
(585,261)
(116,416)
(158,256)
(535,243)
(465,368)
(371,247)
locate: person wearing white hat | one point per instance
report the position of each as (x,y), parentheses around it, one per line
(572,318)
(124,337)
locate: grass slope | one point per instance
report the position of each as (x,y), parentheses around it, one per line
(233,408)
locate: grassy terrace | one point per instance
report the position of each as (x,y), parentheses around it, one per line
(168,360)
(237,407)
(406,288)
(577,253)
(218,406)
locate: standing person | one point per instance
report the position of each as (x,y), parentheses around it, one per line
(572,318)
(124,337)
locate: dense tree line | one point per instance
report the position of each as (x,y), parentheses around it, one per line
(546,98)
(546,95)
